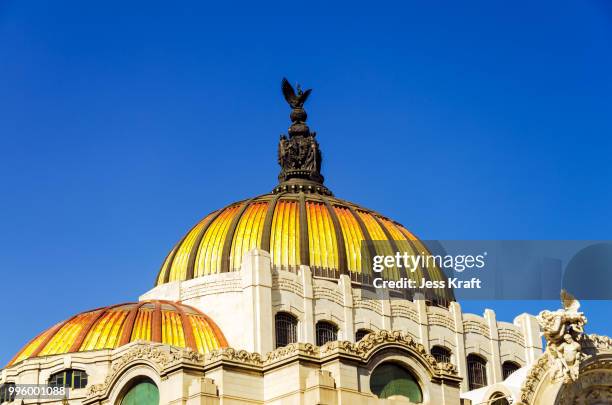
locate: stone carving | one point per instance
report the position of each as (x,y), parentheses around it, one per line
(165,357)
(290,350)
(533,379)
(373,340)
(441,320)
(230,354)
(593,387)
(594,344)
(563,330)
(511,335)
(478,327)
(159,356)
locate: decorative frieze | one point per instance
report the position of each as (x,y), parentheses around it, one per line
(511,335)
(403,310)
(331,294)
(372,305)
(212,287)
(471,326)
(441,320)
(286,284)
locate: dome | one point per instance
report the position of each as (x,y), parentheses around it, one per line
(299,223)
(296,228)
(110,327)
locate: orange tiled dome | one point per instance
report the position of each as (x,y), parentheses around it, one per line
(110,327)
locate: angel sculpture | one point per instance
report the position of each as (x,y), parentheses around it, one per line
(563,330)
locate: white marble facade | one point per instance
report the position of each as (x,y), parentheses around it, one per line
(254,371)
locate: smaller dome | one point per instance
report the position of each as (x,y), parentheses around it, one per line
(114,326)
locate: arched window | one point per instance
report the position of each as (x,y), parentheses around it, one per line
(5,392)
(477,371)
(69,378)
(441,354)
(361,333)
(390,379)
(498,399)
(286,329)
(509,367)
(326,332)
(144,392)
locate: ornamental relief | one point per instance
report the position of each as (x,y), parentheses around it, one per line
(285,284)
(511,335)
(163,357)
(402,310)
(580,364)
(372,305)
(563,330)
(158,356)
(441,320)
(374,340)
(330,294)
(592,388)
(475,327)
(212,287)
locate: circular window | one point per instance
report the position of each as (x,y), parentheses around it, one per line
(143,393)
(389,380)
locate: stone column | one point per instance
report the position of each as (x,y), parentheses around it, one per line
(530,329)
(496,369)
(460,355)
(257,301)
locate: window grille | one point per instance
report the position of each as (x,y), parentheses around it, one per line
(441,354)
(477,372)
(286,329)
(326,332)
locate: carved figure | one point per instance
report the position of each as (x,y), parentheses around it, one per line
(570,356)
(563,330)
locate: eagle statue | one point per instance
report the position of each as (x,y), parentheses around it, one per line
(294,100)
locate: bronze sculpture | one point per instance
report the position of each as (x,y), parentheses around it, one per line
(299,155)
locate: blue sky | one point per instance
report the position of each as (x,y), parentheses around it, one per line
(123,124)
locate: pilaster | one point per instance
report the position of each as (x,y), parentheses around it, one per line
(460,355)
(257,301)
(496,369)
(308,323)
(344,283)
(421,306)
(530,329)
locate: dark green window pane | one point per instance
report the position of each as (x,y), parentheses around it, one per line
(144,393)
(390,379)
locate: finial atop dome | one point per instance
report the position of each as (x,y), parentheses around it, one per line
(294,100)
(298,115)
(299,155)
